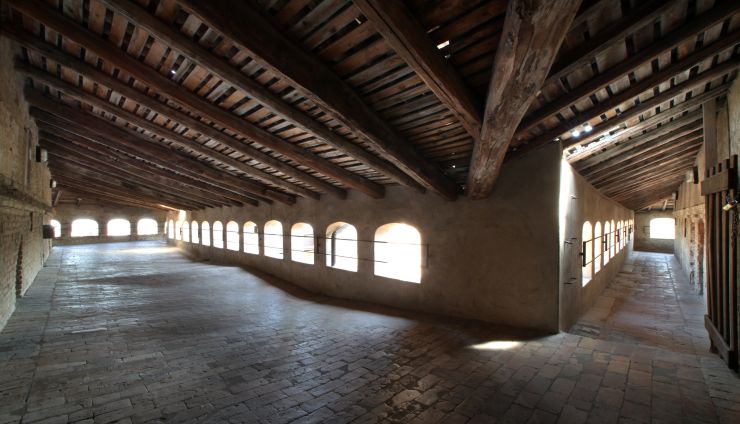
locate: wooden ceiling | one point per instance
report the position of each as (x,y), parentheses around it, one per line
(202,103)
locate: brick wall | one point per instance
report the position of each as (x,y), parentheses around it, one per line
(25,196)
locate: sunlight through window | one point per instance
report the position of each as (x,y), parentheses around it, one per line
(398,252)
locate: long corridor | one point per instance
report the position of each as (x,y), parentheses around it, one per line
(136,332)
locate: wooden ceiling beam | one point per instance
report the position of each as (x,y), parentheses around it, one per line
(129,179)
(635,178)
(644,14)
(175,138)
(656,190)
(88,178)
(669,131)
(98,128)
(121,153)
(82,68)
(121,168)
(271,47)
(185,45)
(633,92)
(93,42)
(654,159)
(650,199)
(697,82)
(400,29)
(720,12)
(71,190)
(531,37)
(640,153)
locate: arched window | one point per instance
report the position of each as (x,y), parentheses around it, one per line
(398,252)
(274,239)
(251,238)
(632,229)
(612,240)
(147,227)
(341,246)
(618,234)
(218,235)
(178,230)
(196,232)
(663,228)
(605,241)
(186,231)
(171,229)
(232,236)
(597,247)
(206,229)
(302,243)
(118,227)
(588,253)
(57,228)
(84,228)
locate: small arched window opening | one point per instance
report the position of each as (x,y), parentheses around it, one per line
(147,227)
(341,246)
(218,235)
(588,252)
(251,238)
(618,235)
(178,230)
(57,226)
(84,228)
(606,240)
(206,233)
(186,231)
(232,236)
(196,233)
(663,228)
(398,252)
(171,229)
(274,239)
(302,243)
(118,227)
(597,247)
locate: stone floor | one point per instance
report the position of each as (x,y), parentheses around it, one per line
(135,332)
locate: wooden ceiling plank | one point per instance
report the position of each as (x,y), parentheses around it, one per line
(174,137)
(76,191)
(120,167)
(643,15)
(270,46)
(122,153)
(93,42)
(96,128)
(262,94)
(669,131)
(532,35)
(395,22)
(719,13)
(637,89)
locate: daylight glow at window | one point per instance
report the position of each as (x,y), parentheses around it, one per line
(218,235)
(302,243)
(118,227)
(147,227)
(663,228)
(274,239)
(398,252)
(206,229)
(251,238)
(84,228)
(341,246)
(57,228)
(232,236)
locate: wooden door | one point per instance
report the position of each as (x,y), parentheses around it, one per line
(719,187)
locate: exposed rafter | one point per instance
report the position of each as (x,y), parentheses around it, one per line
(532,34)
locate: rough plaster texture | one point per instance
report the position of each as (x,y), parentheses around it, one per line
(102,213)
(24,191)
(581,202)
(643,242)
(495,259)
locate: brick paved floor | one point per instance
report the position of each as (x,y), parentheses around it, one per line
(135,332)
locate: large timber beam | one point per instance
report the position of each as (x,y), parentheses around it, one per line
(205,58)
(532,34)
(94,43)
(318,83)
(395,22)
